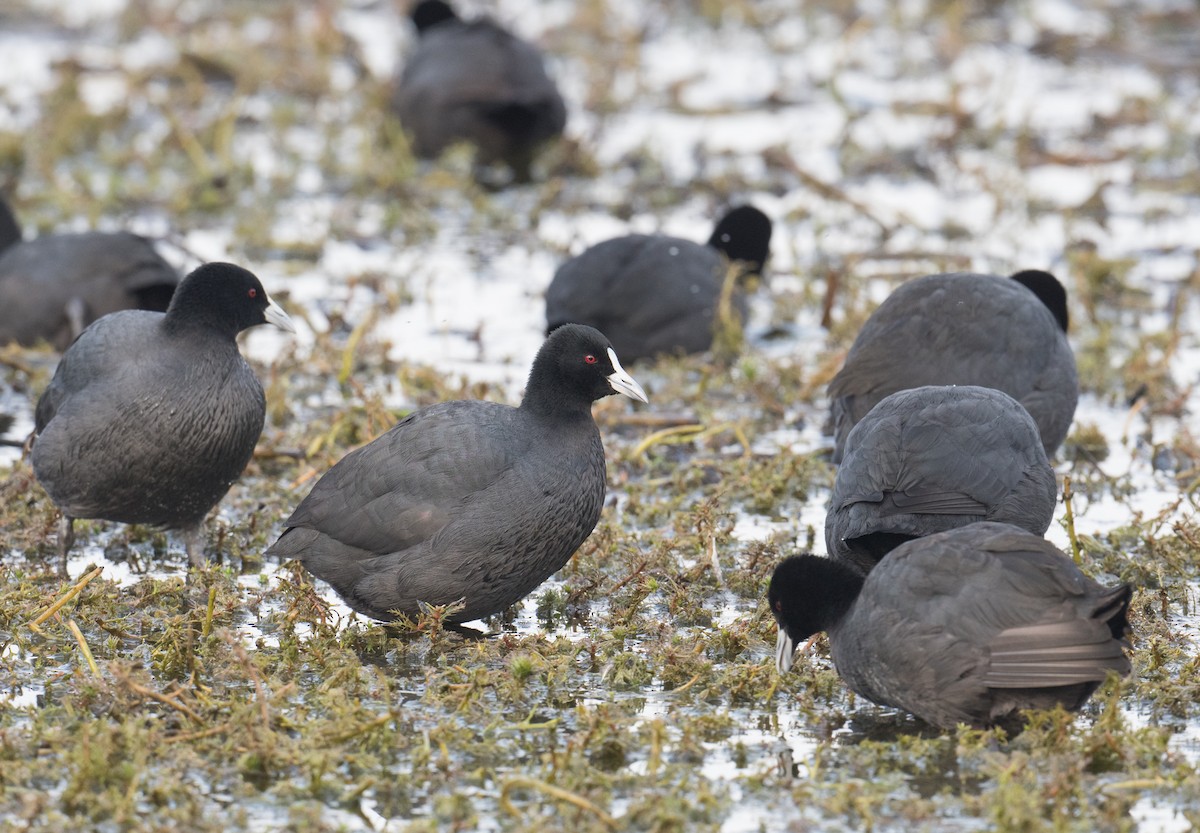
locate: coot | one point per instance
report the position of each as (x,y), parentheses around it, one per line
(929,459)
(965,329)
(965,626)
(655,295)
(467,501)
(151,416)
(475,81)
(53,286)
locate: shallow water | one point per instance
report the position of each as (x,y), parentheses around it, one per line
(885,141)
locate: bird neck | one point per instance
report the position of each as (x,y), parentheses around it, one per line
(193,309)
(553,405)
(834,594)
(549,395)
(198,320)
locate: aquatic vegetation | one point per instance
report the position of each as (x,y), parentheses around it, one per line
(636,690)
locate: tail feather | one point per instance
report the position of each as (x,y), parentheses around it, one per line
(1066,652)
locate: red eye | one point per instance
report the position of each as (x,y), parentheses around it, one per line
(253,293)
(589,358)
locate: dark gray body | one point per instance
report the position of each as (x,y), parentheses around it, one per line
(960,329)
(462,500)
(650,294)
(933,458)
(54,286)
(972,624)
(474,81)
(142,426)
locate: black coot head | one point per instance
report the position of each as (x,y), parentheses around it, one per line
(793,579)
(224,297)
(429,13)
(808,595)
(576,366)
(1049,291)
(744,234)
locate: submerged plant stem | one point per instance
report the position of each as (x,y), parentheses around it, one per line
(522,783)
(1070,519)
(83,646)
(63,599)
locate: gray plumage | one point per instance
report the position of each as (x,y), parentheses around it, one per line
(151,417)
(54,286)
(471,501)
(964,329)
(656,295)
(475,81)
(930,459)
(965,626)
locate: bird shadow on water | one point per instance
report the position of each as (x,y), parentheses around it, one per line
(936,771)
